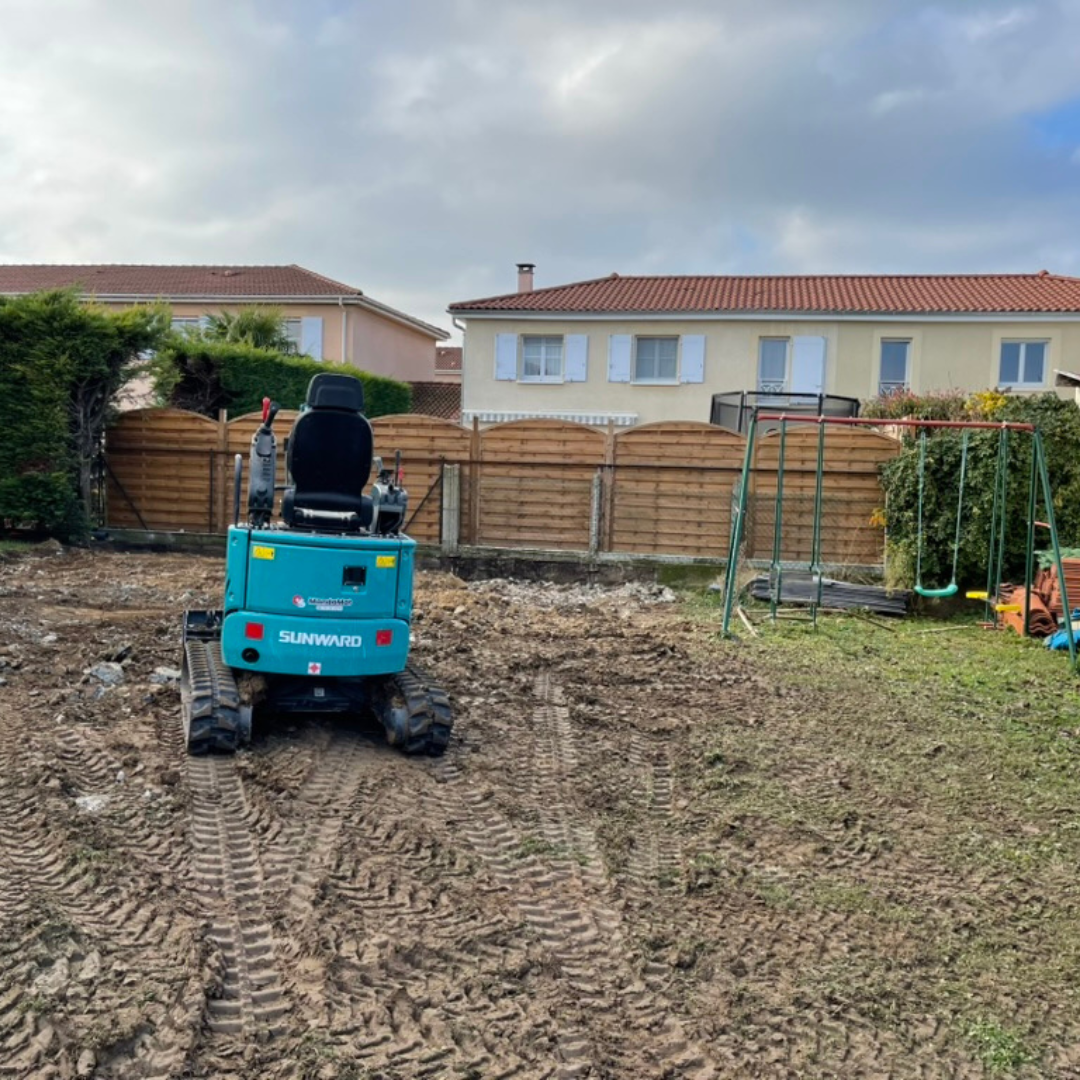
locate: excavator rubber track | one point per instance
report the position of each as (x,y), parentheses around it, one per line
(215,721)
(415,711)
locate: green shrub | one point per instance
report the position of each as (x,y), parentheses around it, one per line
(62,363)
(1059,423)
(206,376)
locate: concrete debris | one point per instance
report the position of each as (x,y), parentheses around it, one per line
(107,672)
(165,675)
(92,804)
(547,594)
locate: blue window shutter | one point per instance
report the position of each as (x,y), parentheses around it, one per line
(506,357)
(311,337)
(692,368)
(577,358)
(620,346)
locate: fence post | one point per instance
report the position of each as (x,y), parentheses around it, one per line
(595,511)
(607,514)
(474,482)
(219,458)
(450,528)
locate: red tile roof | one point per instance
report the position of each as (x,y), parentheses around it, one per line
(851,294)
(448,358)
(277,282)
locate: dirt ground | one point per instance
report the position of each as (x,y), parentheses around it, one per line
(646,854)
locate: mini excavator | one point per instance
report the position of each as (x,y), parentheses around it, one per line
(318,605)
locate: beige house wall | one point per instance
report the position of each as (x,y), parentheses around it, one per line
(943,355)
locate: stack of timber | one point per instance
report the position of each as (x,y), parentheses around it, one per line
(842,595)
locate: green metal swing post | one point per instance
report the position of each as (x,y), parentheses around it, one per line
(996,551)
(775,596)
(999,569)
(731,578)
(815,544)
(1029,550)
(1044,476)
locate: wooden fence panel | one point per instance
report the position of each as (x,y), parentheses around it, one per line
(851,493)
(672,485)
(425,443)
(666,488)
(161,468)
(535,484)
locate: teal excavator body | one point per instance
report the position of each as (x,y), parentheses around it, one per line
(317,607)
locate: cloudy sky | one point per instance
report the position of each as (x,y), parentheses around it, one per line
(419,148)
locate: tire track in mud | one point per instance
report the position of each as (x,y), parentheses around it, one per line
(59,917)
(404,970)
(297,859)
(655,858)
(562,899)
(229,875)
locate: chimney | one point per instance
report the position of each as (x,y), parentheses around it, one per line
(525,276)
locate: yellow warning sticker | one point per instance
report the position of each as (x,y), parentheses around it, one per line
(383,561)
(262,552)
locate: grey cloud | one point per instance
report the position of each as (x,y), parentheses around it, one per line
(419,149)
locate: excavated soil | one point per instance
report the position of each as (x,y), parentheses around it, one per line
(561,895)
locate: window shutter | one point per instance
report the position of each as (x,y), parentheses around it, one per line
(692,368)
(311,337)
(808,365)
(577,358)
(620,347)
(506,357)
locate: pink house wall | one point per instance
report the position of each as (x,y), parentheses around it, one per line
(385,347)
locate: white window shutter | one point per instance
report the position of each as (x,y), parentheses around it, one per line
(808,365)
(311,337)
(577,358)
(506,357)
(620,348)
(692,368)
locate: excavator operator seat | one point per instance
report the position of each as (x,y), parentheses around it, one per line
(329,459)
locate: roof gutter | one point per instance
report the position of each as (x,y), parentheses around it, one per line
(770,316)
(198,298)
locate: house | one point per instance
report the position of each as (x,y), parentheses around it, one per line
(325,319)
(631,350)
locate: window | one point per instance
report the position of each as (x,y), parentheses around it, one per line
(772,365)
(1023,363)
(541,358)
(656,359)
(293,331)
(185,324)
(894,365)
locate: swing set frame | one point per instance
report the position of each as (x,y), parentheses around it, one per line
(1039,479)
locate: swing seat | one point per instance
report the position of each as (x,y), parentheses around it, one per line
(1006,608)
(937,594)
(978,596)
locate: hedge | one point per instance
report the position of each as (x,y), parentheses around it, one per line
(207,376)
(62,363)
(1059,423)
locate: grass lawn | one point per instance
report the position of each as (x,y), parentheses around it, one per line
(921,790)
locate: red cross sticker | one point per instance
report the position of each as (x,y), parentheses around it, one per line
(314,669)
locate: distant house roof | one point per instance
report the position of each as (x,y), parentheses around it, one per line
(834,294)
(261,284)
(448,358)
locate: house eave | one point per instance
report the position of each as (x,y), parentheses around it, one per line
(769,316)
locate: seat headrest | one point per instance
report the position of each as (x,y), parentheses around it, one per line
(341,392)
